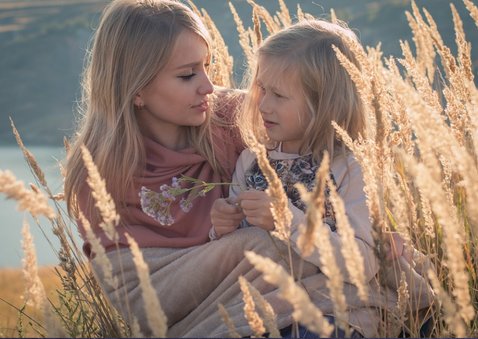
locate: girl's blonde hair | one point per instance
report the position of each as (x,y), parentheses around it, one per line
(132,44)
(303,52)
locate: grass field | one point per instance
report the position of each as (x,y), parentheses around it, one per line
(12,287)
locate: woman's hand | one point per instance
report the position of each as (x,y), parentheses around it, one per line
(257,206)
(226,216)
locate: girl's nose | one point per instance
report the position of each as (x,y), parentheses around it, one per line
(264,108)
(206,86)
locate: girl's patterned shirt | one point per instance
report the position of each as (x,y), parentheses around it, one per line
(291,171)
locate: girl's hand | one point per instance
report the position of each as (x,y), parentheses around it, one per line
(257,206)
(396,247)
(225,216)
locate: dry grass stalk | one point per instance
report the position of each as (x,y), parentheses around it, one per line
(364,152)
(35,293)
(423,43)
(32,201)
(268,315)
(333,16)
(421,82)
(135,329)
(280,205)
(326,252)
(228,321)
(464,47)
(221,68)
(304,310)
(403,298)
(315,209)
(257,28)
(244,40)
(284,14)
(103,200)
(271,25)
(350,252)
(425,208)
(67,145)
(100,253)
(154,313)
(361,79)
(253,318)
(472,9)
(29,157)
(453,240)
(452,316)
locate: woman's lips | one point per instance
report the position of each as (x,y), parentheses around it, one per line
(203,106)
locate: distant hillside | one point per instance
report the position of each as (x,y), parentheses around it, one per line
(43,43)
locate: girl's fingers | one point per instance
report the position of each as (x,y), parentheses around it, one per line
(254,205)
(253,195)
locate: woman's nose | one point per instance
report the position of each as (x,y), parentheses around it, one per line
(206,86)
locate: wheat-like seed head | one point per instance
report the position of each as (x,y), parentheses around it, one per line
(35,292)
(103,200)
(154,313)
(304,310)
(280,205)
(350,251)
(228,321)
(100,254)
(253,318)
(29,157)
(452,316)
(34,202)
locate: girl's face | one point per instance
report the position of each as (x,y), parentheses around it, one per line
(281,105)
(178,95)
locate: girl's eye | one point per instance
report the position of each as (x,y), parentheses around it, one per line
(187,77)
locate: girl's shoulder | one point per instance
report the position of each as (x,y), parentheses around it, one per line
(345,167)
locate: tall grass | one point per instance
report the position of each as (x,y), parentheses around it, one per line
(419,159)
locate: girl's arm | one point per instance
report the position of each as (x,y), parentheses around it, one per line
(350,184)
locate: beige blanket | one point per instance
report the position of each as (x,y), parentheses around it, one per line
(191,282)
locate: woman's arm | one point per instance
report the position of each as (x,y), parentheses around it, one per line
(226,215)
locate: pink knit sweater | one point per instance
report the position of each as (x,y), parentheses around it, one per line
(189,229)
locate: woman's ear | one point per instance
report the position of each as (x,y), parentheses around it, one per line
(138,100)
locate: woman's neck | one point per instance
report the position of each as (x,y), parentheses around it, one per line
(171,137)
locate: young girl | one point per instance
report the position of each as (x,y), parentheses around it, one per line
(298,88)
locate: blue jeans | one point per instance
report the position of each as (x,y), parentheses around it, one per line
(304,333)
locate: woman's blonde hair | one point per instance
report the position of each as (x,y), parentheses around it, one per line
(132,44)
(303,52)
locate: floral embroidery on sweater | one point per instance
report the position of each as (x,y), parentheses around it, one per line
(290,172)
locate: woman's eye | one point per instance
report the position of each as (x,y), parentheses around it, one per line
(278,95)
(187,77)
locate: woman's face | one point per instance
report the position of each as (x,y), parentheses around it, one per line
(178,95)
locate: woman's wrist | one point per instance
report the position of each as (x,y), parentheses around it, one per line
(212,234)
